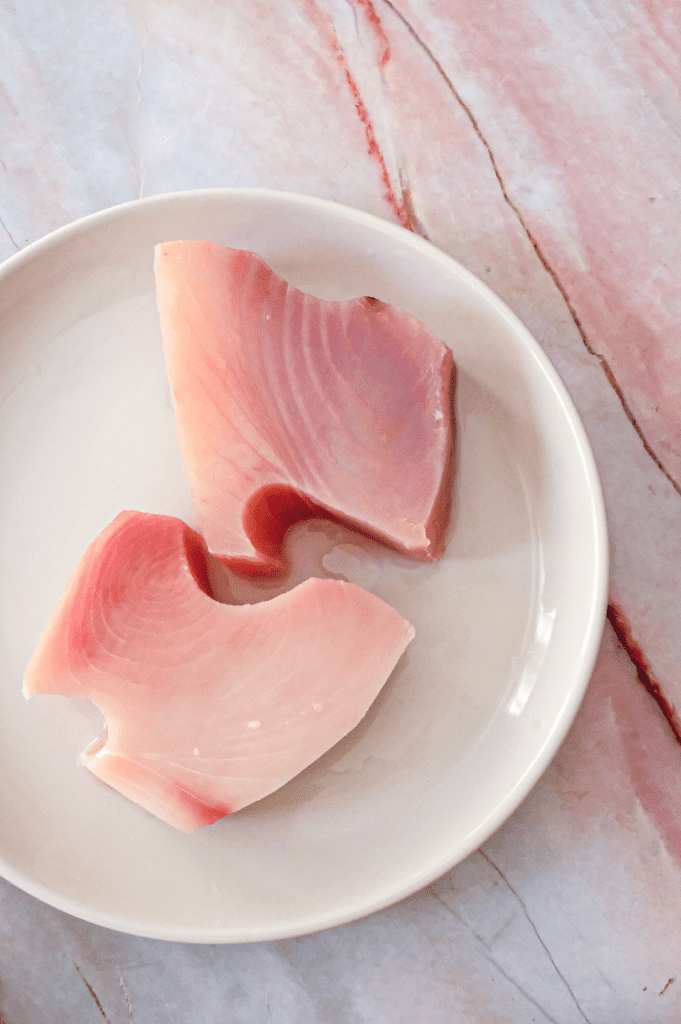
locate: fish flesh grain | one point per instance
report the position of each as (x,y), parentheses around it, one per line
(289,407)
(208,706)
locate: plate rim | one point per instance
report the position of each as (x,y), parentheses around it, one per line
(585,661)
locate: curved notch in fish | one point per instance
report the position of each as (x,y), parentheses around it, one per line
(208,707)
(289,407)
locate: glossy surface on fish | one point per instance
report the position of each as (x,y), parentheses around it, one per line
(209,707)
(288,407)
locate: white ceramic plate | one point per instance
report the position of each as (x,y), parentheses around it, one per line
(507,624)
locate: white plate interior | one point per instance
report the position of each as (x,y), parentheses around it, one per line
(507,624)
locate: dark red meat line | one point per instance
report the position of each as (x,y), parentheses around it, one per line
(620,624)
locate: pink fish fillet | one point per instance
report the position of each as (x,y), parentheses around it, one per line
(289,407)
(208,706)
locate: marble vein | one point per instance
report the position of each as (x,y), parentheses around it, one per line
(9,235)
(404,209)
(409,206)
(622,628)
(373,147)
(126,994)
(92,992)
(534,929)
(355,19)
(490,959)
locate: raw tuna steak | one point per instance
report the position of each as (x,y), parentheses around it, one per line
(208,706)
(289,407)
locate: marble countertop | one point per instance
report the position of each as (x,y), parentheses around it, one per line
(539,143)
